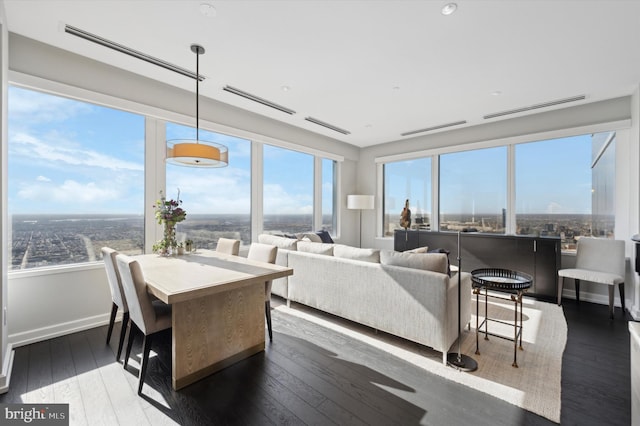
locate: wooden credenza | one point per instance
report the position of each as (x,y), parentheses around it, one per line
(536,256)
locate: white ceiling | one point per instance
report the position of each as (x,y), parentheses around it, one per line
(375,68)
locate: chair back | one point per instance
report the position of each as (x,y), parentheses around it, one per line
(141,309)
(602,255)
(264,253)
(113,276)
(228,246)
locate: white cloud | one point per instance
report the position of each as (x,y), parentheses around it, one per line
(55,151)
(43,179)
(38,107)
(70,192)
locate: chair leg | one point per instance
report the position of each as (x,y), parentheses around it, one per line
(267,311)
(132,331)
(112,319)
(146,348)
(123,332)
(560,284)
(577,281)
(621,288)
(611,296)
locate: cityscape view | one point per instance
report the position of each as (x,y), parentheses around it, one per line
(51,240)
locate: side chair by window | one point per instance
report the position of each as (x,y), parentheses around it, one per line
(598,260)
(228,246)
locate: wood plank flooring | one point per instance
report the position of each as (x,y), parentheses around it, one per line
(321,378)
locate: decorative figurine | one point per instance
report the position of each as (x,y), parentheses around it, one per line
(405,216)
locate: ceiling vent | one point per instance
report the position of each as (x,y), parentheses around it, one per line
(258,99)
(327,125)
(429,129)
(128,51)
(537,106)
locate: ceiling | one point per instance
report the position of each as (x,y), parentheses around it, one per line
(374,68)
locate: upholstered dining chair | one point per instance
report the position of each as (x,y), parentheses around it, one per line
(598,260)
(147,317)
(265,253)
(117,296)
(228,246)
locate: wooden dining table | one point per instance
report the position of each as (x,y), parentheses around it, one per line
(217,301)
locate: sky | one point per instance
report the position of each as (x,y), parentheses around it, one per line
(67,156)
(73,157)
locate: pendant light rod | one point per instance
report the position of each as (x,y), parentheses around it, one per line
(198,50)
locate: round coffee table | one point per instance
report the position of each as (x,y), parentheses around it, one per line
(506,281)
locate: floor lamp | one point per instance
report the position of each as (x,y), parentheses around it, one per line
(456,359)
(360,202)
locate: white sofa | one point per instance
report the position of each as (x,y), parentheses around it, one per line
(418,301)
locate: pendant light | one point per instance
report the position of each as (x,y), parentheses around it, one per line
(197,153)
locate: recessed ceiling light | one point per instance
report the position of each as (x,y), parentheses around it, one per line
(208,10)
(396,87)
(285,88)
(449,8)
(496,93)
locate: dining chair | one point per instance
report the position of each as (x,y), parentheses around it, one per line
(147,317)
(228,246)
(601,261)
(265,253)
(117,296)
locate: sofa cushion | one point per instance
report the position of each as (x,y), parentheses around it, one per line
(365,255)
(436,262)
(317,248)
(280,242)
(424,249)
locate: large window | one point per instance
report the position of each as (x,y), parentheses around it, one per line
(564,187)
(287,191)
(217,200)
(407,180)
(75,180)
(473,190)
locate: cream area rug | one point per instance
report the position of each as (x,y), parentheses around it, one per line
(534,385)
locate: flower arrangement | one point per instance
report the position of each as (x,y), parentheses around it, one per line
(168,213)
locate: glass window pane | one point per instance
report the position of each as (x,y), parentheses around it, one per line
(329,182)
(604,178)
(557,190)
(473,190)
(407,180)
(217,200)
(75,180)
(287,191)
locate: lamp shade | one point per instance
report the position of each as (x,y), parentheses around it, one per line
(196,153)
(360,202)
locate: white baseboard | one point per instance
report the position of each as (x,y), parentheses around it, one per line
(57,330)
(601,299)
(7,366)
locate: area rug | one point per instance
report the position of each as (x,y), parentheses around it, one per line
(534,386)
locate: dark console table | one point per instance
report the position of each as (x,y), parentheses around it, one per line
(535,256)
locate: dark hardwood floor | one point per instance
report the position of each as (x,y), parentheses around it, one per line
(322,379)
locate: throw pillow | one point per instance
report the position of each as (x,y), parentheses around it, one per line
(424,249)
(365,255)
(280,242)
(317,248)
(312,237)
(325,236)
(436,262)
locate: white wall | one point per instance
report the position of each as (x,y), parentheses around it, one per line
(57,301)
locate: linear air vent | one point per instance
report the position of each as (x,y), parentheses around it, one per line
(327,125)
(128,51)
(258,99)
(428,129)
(529,108)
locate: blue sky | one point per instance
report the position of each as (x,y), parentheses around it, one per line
(73,157)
